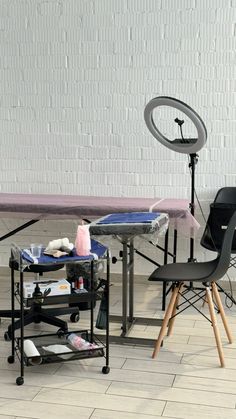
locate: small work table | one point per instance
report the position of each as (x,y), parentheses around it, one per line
(126,226)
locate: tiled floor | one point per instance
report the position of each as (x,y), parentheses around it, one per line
(185,381)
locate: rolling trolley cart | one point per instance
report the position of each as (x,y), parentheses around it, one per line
(58,347)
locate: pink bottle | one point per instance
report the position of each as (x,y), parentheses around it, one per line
(82,241)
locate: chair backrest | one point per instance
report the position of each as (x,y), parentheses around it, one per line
(223,259)
(221,211)
(226,195)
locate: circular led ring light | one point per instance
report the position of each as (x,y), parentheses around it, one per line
(195,144)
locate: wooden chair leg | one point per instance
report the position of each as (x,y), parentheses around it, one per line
(222,312)
(166,320)
(215,327)
(172,318)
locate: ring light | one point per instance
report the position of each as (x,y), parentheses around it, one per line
(181,145)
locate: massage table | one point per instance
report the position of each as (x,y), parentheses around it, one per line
(36,207)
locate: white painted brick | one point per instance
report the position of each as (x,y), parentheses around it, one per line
(30,48)
(107,166)
(75,165)
(51,88)
(217,29)
(47,33)
(226,14)
(64,127)
(213,86)
(65,152)
(182,4)
(98,20)
(122,179)
(206,15)
(93,153)
(223,71)
(228,154)
(113,6)
(102,47)
(151,32)
(217,58)
(50,8)
(79,114)
(34,101)
(123,127)
(33,127)
(179,30)
(120,87)
(168,17)
(99,74)
(166,167)
(198,44)
(90,178)
(137,191)
(97,101)
(18,88)
(153,179)
(128,101)
(9,126)
(83,61)
(178,86)
(137,166)
(114,61)
(125,152)
(163,45)
(65,48)
(54,61)
(225,43)
(9,49)
(130,19)
(110,114)
(212,4)
(66,101)
(22,114)
(138,6)
(113,33)
(79,34)
(104,141)
(165,73)
(82,88)
(92,127)
(4,113)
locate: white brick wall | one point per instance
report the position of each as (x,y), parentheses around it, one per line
(75,76)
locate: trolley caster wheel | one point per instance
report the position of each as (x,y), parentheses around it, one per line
(11,359)
(7,337)
(61,333)
(74,318)
(105,370)
(20,381)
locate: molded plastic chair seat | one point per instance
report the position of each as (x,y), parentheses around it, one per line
(204,272)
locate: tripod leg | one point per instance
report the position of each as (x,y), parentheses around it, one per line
(222,312)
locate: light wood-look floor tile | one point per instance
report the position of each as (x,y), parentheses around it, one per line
(185,381)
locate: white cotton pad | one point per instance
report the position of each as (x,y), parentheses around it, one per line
(58,349)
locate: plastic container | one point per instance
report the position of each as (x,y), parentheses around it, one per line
(79,343)
(82,241)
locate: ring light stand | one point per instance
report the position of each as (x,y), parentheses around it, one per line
(182,145)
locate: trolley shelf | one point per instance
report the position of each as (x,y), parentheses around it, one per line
(46,357)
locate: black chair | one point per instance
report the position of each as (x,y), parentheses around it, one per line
(36,313)
(221,211)
(205,273)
